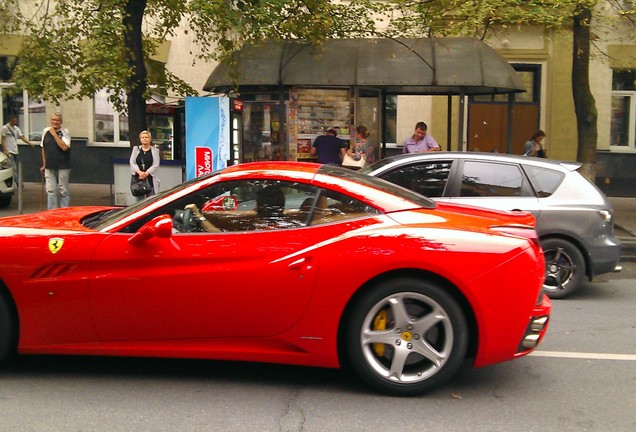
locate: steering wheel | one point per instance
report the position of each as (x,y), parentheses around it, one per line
(184,221)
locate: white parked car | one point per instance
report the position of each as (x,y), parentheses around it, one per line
(7,185)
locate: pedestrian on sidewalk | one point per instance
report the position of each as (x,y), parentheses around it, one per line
(144,162)
(328,148)
(534,146)
(56,162)
(9,137)
(362,148)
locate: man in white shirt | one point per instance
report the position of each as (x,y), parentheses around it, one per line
(10,135)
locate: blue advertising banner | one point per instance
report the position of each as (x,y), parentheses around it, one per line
(207,125)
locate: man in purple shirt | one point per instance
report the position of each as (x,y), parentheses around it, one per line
(420,142)
(328,148)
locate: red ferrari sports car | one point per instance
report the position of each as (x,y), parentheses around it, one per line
(278,262)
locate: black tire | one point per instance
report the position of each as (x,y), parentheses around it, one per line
(431,350)
(565,268)
(8,330)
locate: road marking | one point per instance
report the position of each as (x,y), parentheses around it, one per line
(582,355)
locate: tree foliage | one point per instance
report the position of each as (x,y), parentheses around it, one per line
(73,49)
(420,18)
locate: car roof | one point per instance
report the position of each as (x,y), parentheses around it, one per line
(307,167)
(485,156)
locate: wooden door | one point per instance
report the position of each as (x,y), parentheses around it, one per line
(488,126)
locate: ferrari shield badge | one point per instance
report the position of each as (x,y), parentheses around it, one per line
(55,244)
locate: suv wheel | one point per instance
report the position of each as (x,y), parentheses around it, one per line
(565,268)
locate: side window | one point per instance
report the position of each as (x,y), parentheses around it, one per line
(253,205)
(426,178)
(485,179)
(257,204)
(246,205)
(544,180)
(332,206)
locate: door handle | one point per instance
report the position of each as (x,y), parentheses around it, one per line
(298,264)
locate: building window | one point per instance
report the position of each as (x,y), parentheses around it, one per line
(37,119)
(109,125)
(530,75)
(390,122)
(623,121)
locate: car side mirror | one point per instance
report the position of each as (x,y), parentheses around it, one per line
(160,227)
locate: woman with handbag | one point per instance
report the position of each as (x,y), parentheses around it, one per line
(144,163)
(362,152)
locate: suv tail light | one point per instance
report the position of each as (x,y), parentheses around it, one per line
(520,231)
(605,215)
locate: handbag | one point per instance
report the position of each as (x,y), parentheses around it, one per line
(139,187)
(350,162)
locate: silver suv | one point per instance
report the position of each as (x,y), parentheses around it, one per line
(7,185)
(574,218)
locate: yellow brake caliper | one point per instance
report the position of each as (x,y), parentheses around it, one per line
(379,323)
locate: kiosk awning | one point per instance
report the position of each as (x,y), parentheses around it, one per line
(427,66)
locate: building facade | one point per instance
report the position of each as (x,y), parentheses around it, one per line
(543,58)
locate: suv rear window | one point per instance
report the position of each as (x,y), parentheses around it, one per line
(544,180)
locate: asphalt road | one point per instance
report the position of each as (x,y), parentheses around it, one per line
(582,378)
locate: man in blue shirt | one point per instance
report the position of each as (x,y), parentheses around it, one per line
(328,148)
(420,142)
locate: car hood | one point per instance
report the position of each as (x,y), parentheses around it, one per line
(67,219)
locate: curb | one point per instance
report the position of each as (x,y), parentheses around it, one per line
(627,236)
(628,249)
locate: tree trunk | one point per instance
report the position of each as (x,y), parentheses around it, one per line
(584,103)
(135,101)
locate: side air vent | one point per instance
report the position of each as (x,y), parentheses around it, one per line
(52,271)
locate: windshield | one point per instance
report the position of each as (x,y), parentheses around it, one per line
(102,220)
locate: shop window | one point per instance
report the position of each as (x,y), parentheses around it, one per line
(261,132)
(316,111)
(623,120)
(109,125)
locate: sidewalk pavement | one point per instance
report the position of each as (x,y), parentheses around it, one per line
(34,197)
(34,200)
(625,215)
